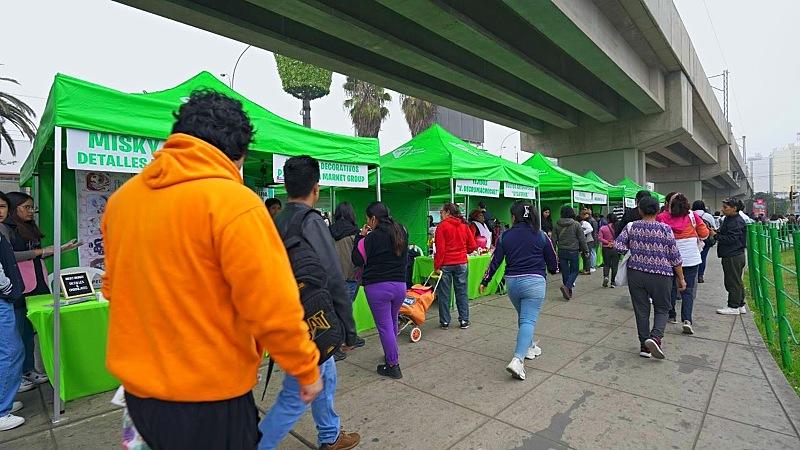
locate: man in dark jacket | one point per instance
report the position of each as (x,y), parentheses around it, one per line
(731,245)
(631,214)
(568,236)
(301,176)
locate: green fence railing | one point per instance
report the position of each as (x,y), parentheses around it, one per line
(774,284)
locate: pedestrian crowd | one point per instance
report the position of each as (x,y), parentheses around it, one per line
(224,278)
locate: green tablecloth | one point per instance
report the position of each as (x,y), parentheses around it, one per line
(84,333)
(476,268)
(361,312)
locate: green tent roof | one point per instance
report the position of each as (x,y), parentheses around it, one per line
(435,154)
(553,178)
(615,192)
(631,188)
(74,103)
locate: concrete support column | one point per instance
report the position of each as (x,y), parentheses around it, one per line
(693,190)
(611,165)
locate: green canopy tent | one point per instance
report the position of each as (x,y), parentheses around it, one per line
(437,163)
(631,188)
(102,130)
(557,183)
(615,192)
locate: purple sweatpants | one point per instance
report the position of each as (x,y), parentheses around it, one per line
(384,300)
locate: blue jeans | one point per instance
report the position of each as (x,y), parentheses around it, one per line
(288,409)
(703,257)
(26,333)
(687,296)
(569,266)
(11,356)
(527,295)
(592,256)
(457,277)
(352,289)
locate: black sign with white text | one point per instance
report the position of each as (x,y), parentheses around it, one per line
(76,285)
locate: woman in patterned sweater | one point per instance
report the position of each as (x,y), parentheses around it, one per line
(653,262)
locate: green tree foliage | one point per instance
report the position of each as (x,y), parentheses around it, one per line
(366,104)
(420,114)
(16,113)
(304,81)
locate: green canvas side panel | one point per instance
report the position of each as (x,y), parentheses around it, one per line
(411,210)
(69,211)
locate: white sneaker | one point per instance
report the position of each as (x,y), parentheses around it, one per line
(592,270)
(36,377)
(26,385)
(729,311)
(533,352)
(516,369)
(742,310)
(10,422)
(687,327)
(16,406)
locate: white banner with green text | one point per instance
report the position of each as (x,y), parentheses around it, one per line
(109,152)
(512,190)
(479,188)
(582,197)
(330,173)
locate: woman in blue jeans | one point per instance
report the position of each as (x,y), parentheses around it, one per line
(529,255)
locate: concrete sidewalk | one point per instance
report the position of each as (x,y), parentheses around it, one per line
(717,389)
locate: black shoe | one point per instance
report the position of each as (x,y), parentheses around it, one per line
(700,280)
(464,324)
(444,325)
(360,342)
(390,371)
(339,355)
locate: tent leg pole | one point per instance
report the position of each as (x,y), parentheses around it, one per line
(333,201)
(539,203)
(56,274)
(378,180)
(452,192)
(572,198)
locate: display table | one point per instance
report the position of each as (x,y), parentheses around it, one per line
(84,333)
(476,268)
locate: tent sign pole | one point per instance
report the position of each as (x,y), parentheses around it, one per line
(378,180)
(56,274)
(452,191)
(539,202)
(572,198)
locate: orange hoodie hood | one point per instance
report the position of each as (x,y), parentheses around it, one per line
(187,158)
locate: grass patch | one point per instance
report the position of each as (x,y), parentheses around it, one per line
(792,313)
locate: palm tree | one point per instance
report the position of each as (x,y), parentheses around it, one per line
(18,114)
(366,105)
(420,114)
(304,81)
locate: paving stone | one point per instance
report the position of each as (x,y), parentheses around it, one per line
(671,382)
(104,431)
(42,440)
(583,415)
(739,336)
(485,387)
(411,354)
(494,315)
(36,417)
(292,443)
(594,313)
(81,408)
(723,434)
(682,349)
(453,336)
(572,329)
(734,391)
(497,435)
(741,359)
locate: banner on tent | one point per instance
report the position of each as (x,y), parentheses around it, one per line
(599,199)
(93,190)
(582,197)
(480,188)
(650,186)
(630,203)
(330,173)
(109,152)
(512,190)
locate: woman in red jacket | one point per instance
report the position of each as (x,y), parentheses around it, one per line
(453,241)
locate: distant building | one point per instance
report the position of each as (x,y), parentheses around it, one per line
(463,126)
(786,167)
(760,172)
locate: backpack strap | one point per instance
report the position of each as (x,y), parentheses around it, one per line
(270,367)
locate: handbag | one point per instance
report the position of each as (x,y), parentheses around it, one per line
(622,269)
(700,243)
(28,271)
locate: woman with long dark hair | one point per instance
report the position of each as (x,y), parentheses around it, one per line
(529,255)
(383,255)
(547,220)
(699,207)
(454,241)
(26,240)
(344,231)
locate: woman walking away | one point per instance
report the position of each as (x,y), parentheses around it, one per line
(528,252)
(547,221)
(610,256)
(731,245)
(454,241)
(653,262)
(700,208)
(689,231)
(568,236)
(588,235)
(384,257)
(344,231)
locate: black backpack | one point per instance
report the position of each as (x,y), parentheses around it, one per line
(327,331)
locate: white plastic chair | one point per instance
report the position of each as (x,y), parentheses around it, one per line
(93,273)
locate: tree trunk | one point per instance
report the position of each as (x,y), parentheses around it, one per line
(307,113)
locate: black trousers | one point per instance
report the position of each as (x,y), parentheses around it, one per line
(227,424)
(732,269)
(643,286)
(610,262)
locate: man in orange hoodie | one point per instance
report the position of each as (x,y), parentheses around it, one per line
(200,286)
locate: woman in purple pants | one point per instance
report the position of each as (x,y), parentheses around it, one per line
(382,250)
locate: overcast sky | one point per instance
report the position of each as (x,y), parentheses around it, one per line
(126,49)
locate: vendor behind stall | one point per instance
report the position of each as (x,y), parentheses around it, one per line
(481,231)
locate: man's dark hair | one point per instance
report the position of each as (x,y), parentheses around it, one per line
(648,206)
(567,212)
(642,194)
(270,202)
(699,205)
(217,119)
(300,174)
(482,205)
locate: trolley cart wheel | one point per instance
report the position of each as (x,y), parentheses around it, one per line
(416,334)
